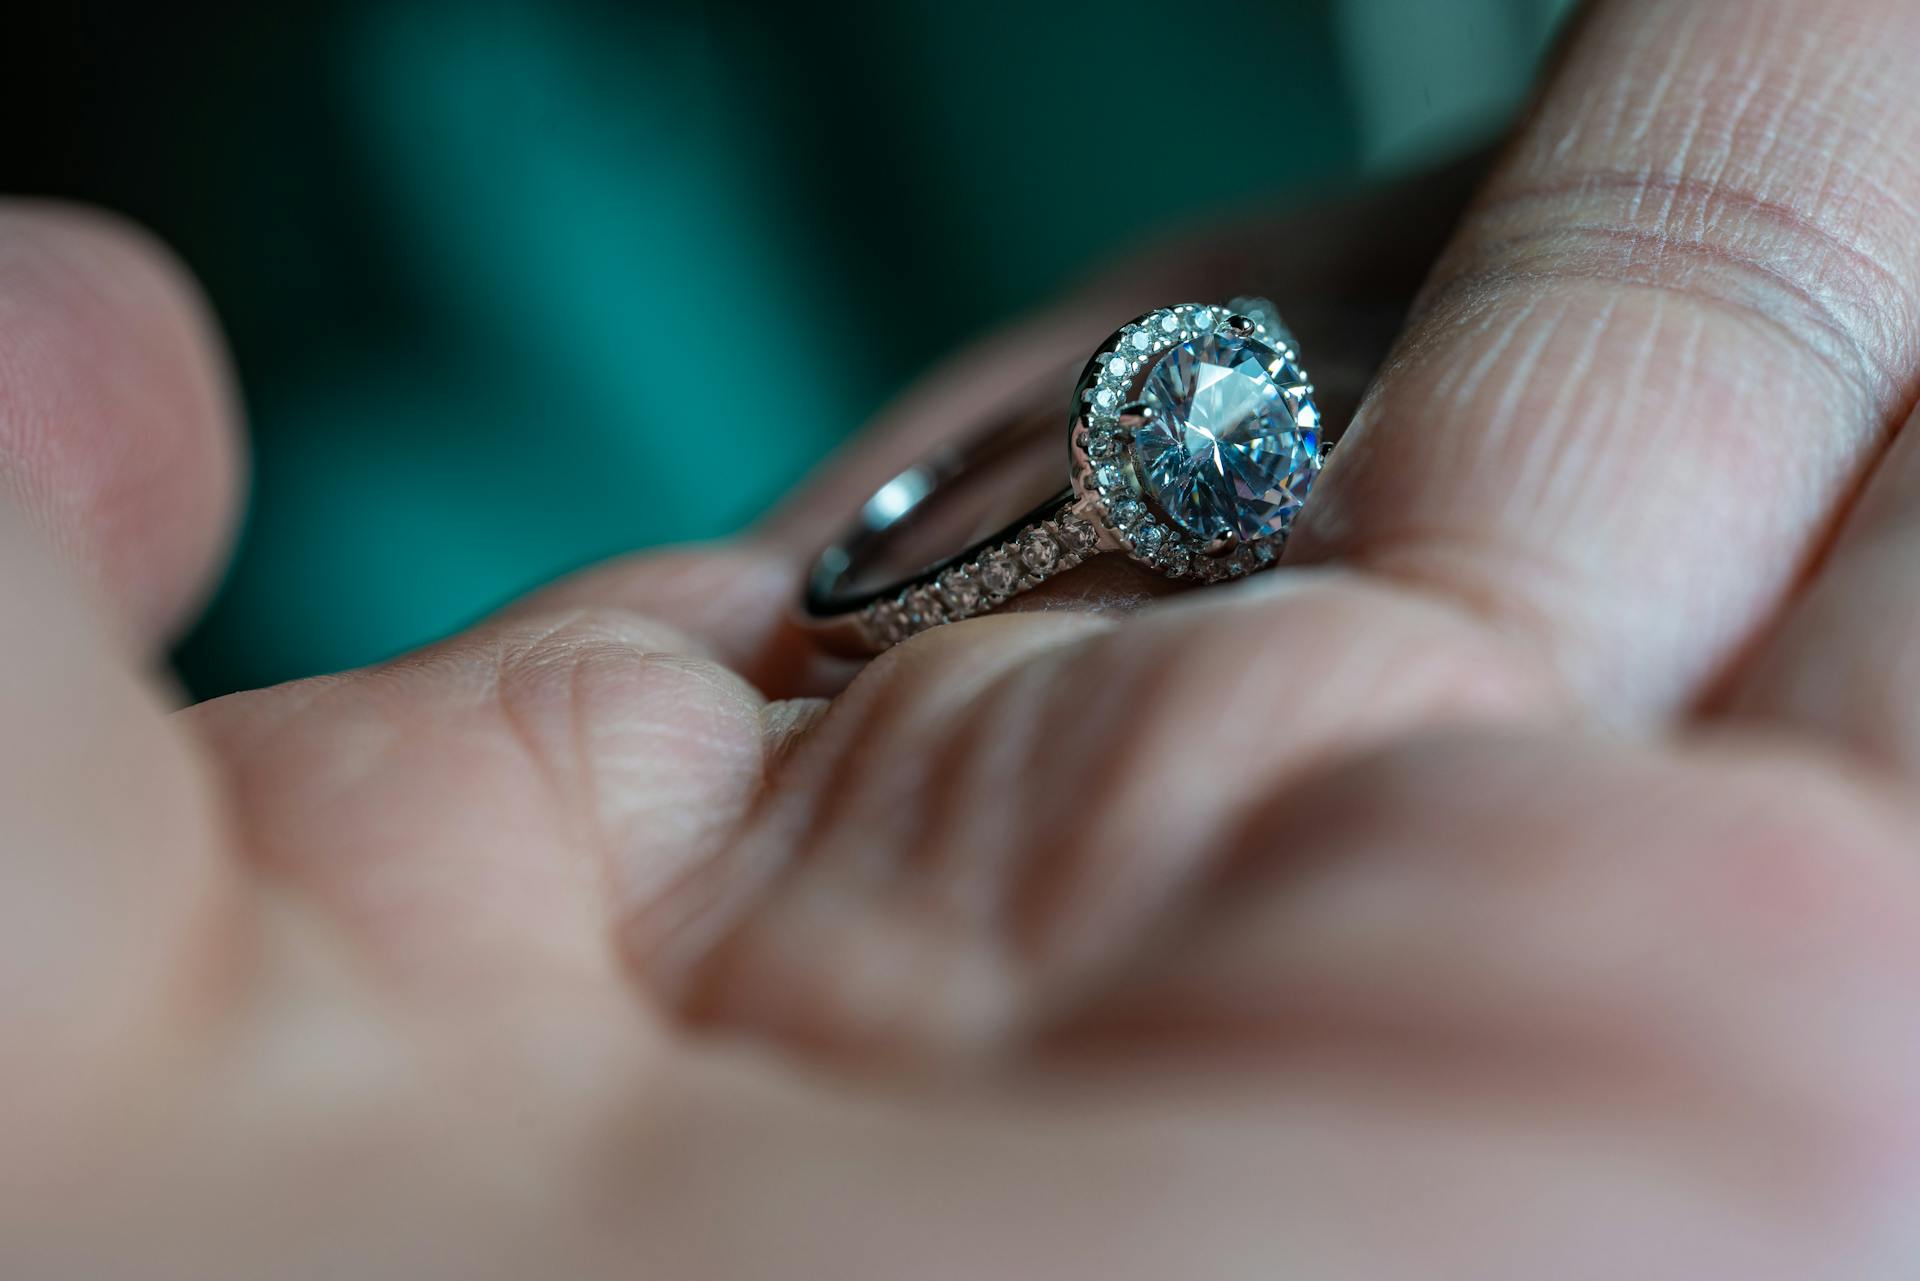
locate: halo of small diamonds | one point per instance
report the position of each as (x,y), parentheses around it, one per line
(1107,469)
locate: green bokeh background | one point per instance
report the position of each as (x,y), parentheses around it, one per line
(516,285)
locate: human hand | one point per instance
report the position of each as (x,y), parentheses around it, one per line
(1522,884)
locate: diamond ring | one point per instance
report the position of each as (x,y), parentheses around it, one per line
(1192,442)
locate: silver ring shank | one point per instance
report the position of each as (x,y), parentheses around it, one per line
(1046,541)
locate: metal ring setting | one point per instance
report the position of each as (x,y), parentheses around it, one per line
(1193,439)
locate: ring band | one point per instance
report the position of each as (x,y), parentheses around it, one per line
(1192,442)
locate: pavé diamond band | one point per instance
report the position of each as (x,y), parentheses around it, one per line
(1192,441)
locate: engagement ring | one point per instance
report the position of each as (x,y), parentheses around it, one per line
(1191,442)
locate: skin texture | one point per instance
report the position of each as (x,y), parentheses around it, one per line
(1521,883)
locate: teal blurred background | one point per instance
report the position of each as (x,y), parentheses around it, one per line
(502,278)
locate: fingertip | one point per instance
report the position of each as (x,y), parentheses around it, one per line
(119,437)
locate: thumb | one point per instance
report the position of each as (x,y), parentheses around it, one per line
(115,477)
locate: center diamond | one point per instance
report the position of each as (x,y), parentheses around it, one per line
(1233,444)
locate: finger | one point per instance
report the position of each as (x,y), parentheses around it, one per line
(1845,663)
(1675,329)
(999,809)
(1713,947)
(1516,888)
(733,601)
(117,901)
(117,425)
(467,813)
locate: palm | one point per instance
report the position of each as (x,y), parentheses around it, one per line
(1512,888)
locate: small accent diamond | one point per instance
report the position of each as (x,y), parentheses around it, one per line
(1203,319)
(1170,323)
(1076,534)
(1141,340)
(960,594)
(1149,536)
(997,573)
(1039,551)
(923,609)
(1117,367)
(889,622)
(1127,511)
(1106,398)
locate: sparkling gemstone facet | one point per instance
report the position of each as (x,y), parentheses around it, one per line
(1233,445)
